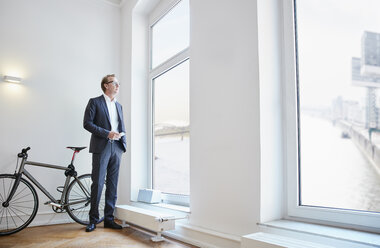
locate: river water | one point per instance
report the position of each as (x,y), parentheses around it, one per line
(171,170)
(334,172)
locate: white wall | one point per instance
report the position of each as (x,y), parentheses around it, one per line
(61,49)
(270,63)
(225,119)
(125,94)
(135,96)
(225,116)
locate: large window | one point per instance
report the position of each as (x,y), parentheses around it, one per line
(336,173)
(170,35)
(170,104)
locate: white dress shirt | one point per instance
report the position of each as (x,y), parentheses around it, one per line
(112,111)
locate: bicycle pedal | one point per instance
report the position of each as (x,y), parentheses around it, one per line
(55,205)
(47,203)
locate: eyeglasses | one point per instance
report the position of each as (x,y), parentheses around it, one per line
(115,83)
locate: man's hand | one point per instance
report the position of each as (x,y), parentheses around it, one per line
(114,135)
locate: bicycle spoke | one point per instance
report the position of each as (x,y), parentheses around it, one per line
(1,196)
(10,215)
(19,193)
(77,193)
(21,206)
(12,218)
(2,211)
(6,216)
(79,212)
(81,198)
(21,197)
(83,213)
(5,196)
(18,215)
(23,201)
(77,201)
(83,188)
(87,184)
(15,209)
(10,187)
(78,198)
(77,187)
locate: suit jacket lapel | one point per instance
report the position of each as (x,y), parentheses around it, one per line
(103,103)
(118,108)
(121,123)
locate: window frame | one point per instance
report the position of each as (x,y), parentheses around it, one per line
(151,25)
(160,69)
(361,220)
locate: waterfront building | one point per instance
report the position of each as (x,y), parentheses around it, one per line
(370,61)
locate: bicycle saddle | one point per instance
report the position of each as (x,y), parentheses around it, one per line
(77,149)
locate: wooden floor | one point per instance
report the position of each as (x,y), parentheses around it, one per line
(74,236)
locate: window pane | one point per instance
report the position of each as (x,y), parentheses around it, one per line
(170,35)
(338,48)
(171,131)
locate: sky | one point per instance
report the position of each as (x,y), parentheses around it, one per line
(329,35)
(171,35)
(171,96)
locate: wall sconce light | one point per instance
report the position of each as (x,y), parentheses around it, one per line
(11,79)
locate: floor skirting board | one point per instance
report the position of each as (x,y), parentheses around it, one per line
(203,238)
(51,218)
(193,235)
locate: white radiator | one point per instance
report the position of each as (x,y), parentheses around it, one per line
(151,220)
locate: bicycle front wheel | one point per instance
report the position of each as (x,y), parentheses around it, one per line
(78,200)
(22,208)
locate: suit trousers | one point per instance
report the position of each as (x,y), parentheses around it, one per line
(105,167)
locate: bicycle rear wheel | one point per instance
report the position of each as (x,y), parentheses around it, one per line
(79,201)
(22,207)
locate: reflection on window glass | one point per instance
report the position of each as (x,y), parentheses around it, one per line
(170,35)
(171,131)
(338,48)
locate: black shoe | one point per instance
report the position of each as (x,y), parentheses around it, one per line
(112,225)
(90,227)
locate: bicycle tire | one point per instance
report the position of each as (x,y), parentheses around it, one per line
(22,208)
(80,212)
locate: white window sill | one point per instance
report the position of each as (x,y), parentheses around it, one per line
(308,231)
(174,207)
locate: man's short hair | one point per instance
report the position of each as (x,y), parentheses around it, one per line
(105,81)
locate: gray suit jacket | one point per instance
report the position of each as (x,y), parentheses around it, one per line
(97,122)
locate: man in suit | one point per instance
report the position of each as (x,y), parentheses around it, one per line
(103,118)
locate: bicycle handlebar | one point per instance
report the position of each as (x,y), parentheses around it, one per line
(24,152)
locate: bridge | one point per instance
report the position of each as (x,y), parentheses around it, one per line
(367,142)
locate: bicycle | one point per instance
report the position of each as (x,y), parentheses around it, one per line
(19,199)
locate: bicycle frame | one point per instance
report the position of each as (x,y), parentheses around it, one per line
(69,172)
(19,200)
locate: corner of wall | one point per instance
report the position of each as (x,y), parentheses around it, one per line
(270,64)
